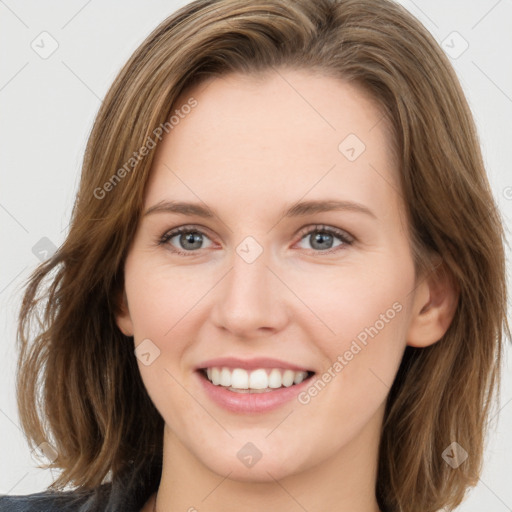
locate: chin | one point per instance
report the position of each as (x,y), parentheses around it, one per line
(258,461)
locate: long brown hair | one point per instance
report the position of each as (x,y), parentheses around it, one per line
(78,383)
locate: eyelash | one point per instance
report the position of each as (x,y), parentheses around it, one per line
(338,233)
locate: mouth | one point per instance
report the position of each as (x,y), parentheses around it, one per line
(252,386)
(259,380)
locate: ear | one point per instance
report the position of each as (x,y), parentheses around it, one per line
(434,306)
(122,315)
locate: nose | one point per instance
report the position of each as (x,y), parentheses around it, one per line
(251,301)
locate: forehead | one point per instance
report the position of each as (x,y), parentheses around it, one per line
(281,133)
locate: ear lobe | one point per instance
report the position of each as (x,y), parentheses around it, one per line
(122,315)
(434,306)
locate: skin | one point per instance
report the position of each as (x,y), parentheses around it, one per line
(249,149)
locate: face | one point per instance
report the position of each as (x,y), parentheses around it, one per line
(290,283)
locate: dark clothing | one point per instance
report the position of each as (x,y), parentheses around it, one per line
(109,497)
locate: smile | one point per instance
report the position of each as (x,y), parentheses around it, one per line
(254,390)
(260,380)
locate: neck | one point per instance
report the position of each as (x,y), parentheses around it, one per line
(343,482)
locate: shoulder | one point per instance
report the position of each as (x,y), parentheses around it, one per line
(123,494)
(48,501)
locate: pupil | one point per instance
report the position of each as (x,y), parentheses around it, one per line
(191,238)
(322,238)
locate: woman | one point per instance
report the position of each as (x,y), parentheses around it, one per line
(283,285)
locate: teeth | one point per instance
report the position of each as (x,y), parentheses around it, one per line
(225,377)
(274,379)
(239,379)
(259,379)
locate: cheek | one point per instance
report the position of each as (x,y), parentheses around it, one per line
(367,311)
(354,303)
(161,303)
(160,296)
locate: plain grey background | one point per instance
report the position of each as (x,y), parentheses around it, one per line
(58,60)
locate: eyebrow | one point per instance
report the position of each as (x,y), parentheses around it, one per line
(296,210)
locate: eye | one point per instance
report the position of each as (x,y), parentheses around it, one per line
(322,238)
(187,237)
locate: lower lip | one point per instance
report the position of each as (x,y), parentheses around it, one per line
(251,402)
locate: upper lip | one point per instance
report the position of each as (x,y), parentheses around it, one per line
(251,364)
